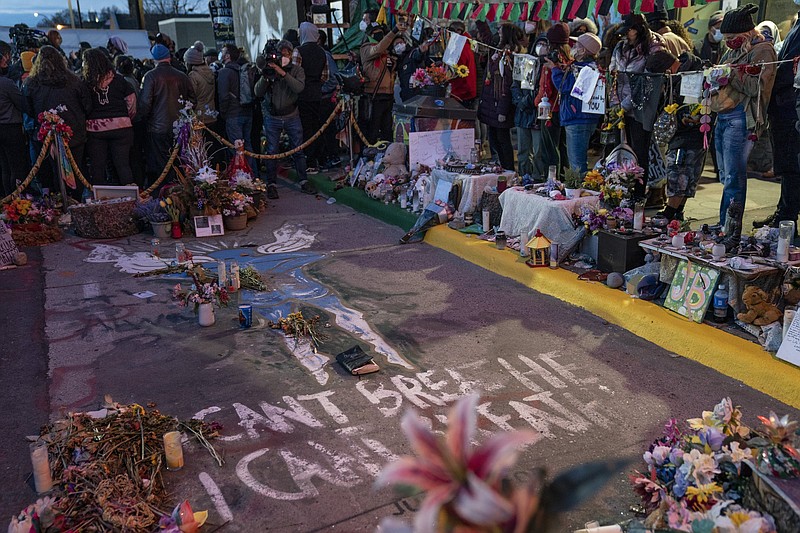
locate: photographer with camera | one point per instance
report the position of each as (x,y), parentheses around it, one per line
(280,85)
(378,65)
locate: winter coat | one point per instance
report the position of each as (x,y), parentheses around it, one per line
(569,108)
(159,104)
(711,51)
(496,101)
(625,61)
(228,91)
(409,63)
(373,64)
(280,94)
(204,86)
(74,95)
(12,103)
(687,132)
(783,91)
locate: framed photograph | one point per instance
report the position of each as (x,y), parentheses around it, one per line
(112,192)
(210,226)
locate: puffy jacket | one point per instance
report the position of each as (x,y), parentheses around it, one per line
(496,95)
(624,61)
(162,87)
(74,95)
(12,103)
(569,108)
(280,95)
(228,91)
(203,83)
(373,62)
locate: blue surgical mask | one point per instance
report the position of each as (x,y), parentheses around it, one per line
(362,25)
(718,34)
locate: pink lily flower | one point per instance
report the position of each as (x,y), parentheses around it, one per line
(462,483)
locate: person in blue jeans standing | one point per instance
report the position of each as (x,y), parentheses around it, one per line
(238,117)
(579,126)
(280,84)
(741,102)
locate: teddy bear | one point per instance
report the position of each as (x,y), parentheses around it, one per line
(394,162)
(759,311)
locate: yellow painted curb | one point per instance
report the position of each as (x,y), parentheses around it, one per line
(725,353)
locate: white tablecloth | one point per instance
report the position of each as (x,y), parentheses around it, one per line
(525,211)
(473,186)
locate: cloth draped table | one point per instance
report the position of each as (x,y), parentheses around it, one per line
(472,186)
(524,212)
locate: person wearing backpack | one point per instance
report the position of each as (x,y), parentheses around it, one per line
(235,93)
(315,65)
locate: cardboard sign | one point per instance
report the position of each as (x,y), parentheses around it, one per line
(692,85)
(585,84)
(597,105)
(454,47)
(8,248)
(425,147)
(521,62)
(692,290)
(529,69)
(221,13)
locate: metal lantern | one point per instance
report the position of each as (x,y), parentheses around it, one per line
(545,109)
(539,248)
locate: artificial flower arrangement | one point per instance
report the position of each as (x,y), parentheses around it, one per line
(437,75)
(595,218)
(26,210)
(235,204)
(692,480)
(470,488)
(618,183)
(614,119)
(51,121)
(200,292)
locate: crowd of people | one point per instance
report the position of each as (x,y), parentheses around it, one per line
(121,110)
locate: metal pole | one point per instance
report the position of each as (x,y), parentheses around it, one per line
(80,17)
(350,134)
(71,14)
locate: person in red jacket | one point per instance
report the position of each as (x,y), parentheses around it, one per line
(465,90)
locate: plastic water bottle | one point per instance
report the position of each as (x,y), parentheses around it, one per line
(721,304)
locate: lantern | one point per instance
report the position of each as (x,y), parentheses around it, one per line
(545,109)
(539,248)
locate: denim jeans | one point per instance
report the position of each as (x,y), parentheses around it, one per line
(733,149)
(241,128)
(525,150)
(273,126)
(578,136)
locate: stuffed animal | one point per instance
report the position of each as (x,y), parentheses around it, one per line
(394,162)
(373,187)
(759,311)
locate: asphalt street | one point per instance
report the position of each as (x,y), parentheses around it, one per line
(303,441)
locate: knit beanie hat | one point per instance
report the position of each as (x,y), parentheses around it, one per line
(211,52)
(194,55)
(659,14)
(558,33)
(591,43)
(739,20)
(159,52)
(716,18)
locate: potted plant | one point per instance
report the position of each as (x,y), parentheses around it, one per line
(151,212)
(572,182)
(203,296)
(234,210)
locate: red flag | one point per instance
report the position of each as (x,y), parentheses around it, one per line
(507,11)
(648,6)
(524,14)
(624,7)
(576,5)
(681,3)
(492,13)
(448,10)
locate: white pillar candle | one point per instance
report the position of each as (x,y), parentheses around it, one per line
(42,479)
(486,220)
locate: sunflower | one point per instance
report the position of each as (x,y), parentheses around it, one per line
(462,71)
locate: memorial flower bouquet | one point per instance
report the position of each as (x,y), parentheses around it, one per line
(25,210)
(200,293)
(50,120)
(619,182)
(593,181)
(235,204)
(692,480)
(437,75)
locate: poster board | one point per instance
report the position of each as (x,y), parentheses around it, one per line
(597,104)
(425,147)
(790,347)
(8,248)
(210,226)
(692,290)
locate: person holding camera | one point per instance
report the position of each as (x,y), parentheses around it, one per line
(378,67)
(280,85)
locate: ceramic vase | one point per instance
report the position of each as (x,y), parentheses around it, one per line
(677,241)
(205,314)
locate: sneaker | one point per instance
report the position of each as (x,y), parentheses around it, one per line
(272,192)
(308,187)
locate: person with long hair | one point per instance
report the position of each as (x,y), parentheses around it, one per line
(51,84)
(495,108)
(629,58)
(741,105)
(109,124)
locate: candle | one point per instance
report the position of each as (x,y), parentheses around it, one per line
(487,224)
(173,450)
(221,273)
(42,479)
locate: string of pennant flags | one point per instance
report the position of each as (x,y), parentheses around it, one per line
(490,10)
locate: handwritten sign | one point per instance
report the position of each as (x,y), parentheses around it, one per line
(692,290)
(692,85)
(8,248)
(790,347)
(597,105)
(454,47)
(425,147)
(585,84)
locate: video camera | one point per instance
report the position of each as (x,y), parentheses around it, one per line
(270,54)
(24,38)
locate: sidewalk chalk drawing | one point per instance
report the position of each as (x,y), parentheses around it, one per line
(284,260)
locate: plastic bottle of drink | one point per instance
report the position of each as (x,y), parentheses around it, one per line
(721,304)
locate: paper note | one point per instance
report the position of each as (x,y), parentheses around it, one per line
(454,47)
(520,63)
(692,85)
(597,105)
(585,84)
(144,294)
(790,347)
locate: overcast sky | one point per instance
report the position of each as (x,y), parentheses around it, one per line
(16,11)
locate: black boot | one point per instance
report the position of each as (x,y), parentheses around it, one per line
(769,221)
(668,213)
(733,226)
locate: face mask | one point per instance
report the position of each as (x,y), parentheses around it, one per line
(736,42)
(399,48)
(362,25)
(541,49)
(285,61)
(578,52)
(717,37)
(220,56)
(530,27)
